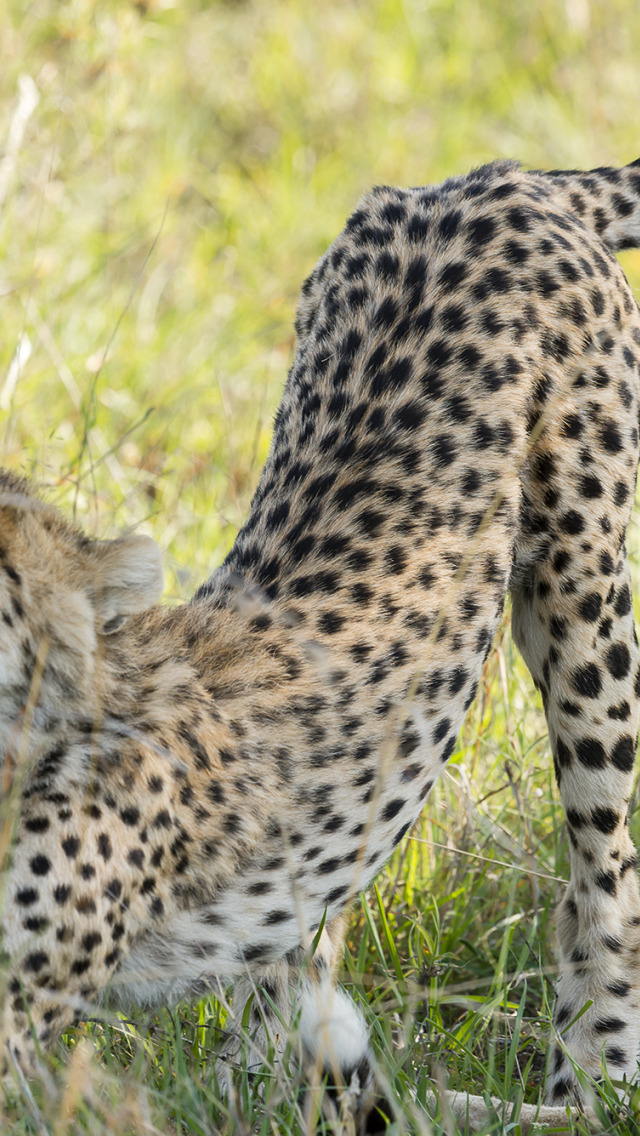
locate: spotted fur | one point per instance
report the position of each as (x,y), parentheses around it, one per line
(192,790)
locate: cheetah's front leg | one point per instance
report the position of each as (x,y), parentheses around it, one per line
(298,1003)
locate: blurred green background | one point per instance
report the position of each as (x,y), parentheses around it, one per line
(170,171)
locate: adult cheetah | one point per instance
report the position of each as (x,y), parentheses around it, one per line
(194,790)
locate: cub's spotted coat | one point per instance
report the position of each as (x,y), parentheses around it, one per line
(193,788)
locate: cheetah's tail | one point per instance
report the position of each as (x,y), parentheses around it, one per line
(606,199)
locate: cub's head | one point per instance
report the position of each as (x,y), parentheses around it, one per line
(62,595)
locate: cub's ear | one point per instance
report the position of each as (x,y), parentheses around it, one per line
(128,579)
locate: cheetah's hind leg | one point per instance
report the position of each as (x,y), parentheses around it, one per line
(573,622)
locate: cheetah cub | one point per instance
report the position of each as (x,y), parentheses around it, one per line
(192,791)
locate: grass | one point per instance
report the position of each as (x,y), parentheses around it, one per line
(171,171)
